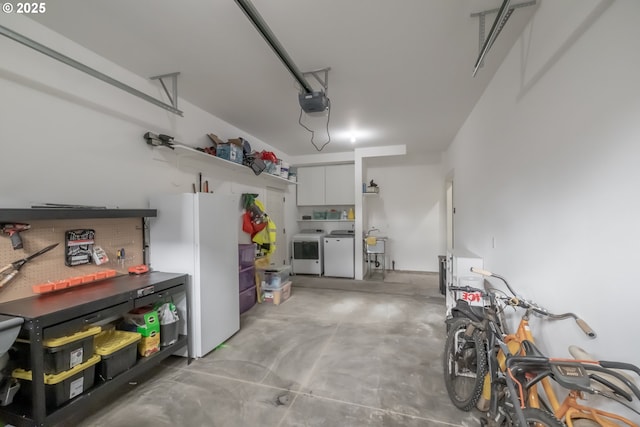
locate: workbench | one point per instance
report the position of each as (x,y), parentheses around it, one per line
(60,313)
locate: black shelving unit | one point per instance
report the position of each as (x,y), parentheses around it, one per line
(22,215)
(62,312)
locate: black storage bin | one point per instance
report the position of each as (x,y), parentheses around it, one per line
(118,352)
(62,387)
(60,354)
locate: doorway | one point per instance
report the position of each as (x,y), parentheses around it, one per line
(450,213)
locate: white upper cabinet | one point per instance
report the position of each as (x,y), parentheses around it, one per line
(310,186)
(339,185)
(326,185)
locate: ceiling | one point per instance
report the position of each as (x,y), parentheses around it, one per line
(401,71)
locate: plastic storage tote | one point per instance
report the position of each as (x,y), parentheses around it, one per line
(169,333)
(273,278)
(247,255)
(61,387)
(279,295)
(63,353)
(248,299)
(117,350)
(247,278)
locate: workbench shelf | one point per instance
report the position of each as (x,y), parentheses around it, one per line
(22,215)
(63,312)
(189,152)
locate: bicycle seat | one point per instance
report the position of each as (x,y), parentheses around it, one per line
(463,309)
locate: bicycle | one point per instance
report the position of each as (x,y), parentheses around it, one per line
(472,367)
(577,376)
(468,372)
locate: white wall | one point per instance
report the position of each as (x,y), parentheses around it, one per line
(69,138)
(409,209)
(547,164)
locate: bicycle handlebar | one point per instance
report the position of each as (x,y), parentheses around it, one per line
(619,365)
(585,328)
(482,272)
(530,305)
(542,366)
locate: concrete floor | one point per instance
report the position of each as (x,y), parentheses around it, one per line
(337,353)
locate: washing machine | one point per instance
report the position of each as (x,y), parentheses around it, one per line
(307,252)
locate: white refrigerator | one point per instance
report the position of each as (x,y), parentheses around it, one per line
(197,234)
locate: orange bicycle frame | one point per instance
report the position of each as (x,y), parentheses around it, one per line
(570,410)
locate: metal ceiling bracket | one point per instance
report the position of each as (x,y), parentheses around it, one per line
(84,68)
(504,13)
(173,95)
(316,74)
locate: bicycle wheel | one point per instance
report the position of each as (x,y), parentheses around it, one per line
(465,365)
(540,418)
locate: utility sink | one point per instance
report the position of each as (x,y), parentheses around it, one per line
(378,248)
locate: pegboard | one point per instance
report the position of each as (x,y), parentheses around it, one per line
(111,234)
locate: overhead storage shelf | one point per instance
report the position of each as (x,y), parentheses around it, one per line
(21,215)
(326,220)
(188,152)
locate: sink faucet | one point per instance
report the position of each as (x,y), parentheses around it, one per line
(371,230)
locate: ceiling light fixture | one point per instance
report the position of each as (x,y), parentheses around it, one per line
(310,101)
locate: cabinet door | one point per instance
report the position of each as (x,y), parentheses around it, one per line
(310,188)
(339,185)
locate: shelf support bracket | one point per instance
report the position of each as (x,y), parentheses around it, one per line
(86,69)
(316,74)
(173,95)
(504,13)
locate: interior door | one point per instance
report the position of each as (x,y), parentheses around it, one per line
(450,212)
(275,210)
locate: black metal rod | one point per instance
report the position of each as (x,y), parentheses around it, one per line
(80,66)
(264,30)
(493,33)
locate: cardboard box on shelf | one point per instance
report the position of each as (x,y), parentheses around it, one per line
(236,141)
(214,138)
(230,151)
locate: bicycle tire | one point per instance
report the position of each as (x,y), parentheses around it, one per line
(540,418)
(464,369)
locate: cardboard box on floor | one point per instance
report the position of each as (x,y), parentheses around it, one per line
(277,296)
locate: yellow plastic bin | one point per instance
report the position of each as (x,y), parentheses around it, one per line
(60,354)
(117,350)
(59,388)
